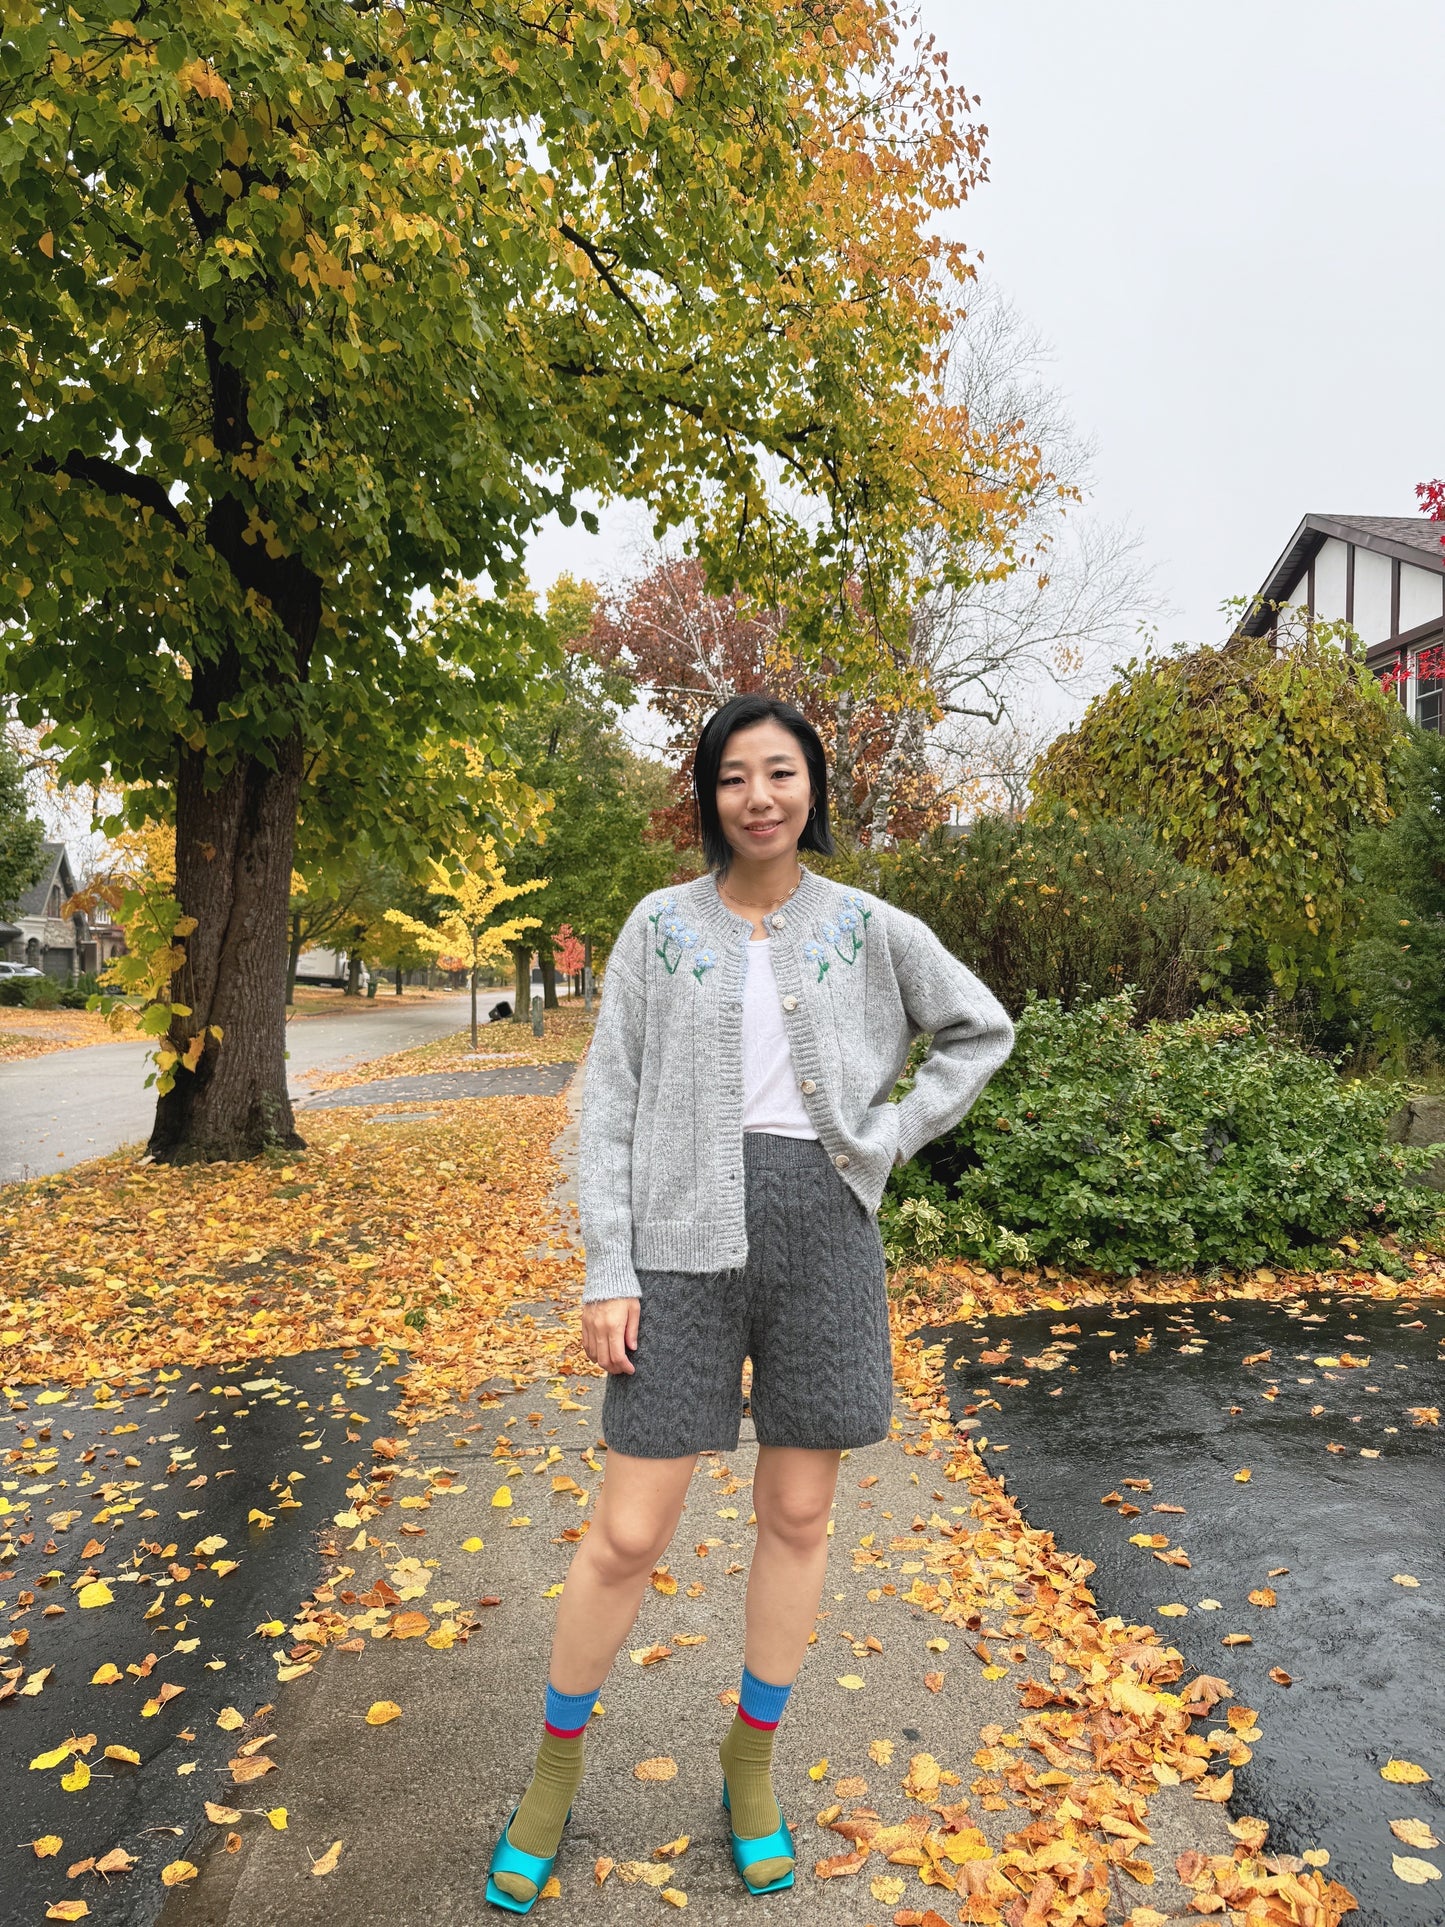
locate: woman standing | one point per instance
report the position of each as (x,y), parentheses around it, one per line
(736,1137)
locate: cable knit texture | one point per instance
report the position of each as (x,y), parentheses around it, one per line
(660,1169)
(809,1306)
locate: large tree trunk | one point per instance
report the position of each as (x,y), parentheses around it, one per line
(353,973)
(233,875)
(549,978)
(521,984)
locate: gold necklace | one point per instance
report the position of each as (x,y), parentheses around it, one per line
(767,908)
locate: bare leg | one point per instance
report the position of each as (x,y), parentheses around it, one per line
(636,1514)
(792,1492)
(637,1511)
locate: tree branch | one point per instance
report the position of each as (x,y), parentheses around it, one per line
(115,479)
(605,275)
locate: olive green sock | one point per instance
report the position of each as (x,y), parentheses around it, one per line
(747,1763)
(542,1811)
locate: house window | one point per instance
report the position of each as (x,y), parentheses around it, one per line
(1429,668)
(54,909)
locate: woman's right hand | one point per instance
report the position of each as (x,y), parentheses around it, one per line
(609,1332)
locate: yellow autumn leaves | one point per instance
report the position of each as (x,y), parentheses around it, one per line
(110,1270)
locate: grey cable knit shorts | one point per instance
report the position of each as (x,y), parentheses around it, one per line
(809,1307)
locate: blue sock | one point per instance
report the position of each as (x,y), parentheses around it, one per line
(567,1714)
(760,1704)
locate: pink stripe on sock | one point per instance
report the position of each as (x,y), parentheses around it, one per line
(561,1732)
(764,1726)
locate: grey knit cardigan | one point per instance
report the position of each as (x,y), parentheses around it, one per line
(660,1167)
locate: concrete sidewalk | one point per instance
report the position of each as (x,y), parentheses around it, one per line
(418,1802)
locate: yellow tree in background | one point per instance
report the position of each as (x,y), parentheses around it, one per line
(471,892)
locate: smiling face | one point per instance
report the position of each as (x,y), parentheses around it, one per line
(763,792)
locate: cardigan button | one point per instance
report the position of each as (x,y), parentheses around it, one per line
(790,1003)
(841,1160)
(780,922)
(807,1087)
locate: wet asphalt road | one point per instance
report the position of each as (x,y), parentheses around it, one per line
(1076,1405)
(169,1465)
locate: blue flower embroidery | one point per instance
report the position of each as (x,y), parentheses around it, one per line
(845,935)
(676,938)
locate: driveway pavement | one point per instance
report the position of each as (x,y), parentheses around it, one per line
(417,1803)
(58,1110)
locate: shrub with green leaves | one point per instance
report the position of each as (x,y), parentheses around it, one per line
(1061,907)
(1398,963)
(1177,1146)
(1257,761)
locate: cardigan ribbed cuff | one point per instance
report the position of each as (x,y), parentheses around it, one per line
(610,1274)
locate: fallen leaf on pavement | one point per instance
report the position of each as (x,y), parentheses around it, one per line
(841,1865)
(655,1770)
(1417,1873)
(646,1873)
(380,1712)
(177,1873)
(1414,1833)
(49,1844)
(1403,1773)
(328,1860)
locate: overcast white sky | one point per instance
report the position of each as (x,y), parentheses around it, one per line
(1227,221)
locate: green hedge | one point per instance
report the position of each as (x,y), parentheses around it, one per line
(31,993)
(1209,1142)
(1063,908)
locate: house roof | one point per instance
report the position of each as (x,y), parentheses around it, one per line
(1406,538)
(56,870)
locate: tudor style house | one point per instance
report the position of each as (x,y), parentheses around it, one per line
(1385,576)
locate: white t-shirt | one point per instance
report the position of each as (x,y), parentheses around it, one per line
(771,1099)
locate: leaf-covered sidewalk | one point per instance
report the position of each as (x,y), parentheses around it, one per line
(970,1741)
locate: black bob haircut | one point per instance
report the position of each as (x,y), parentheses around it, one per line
(741,713)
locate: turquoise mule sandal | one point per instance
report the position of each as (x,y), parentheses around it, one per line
(772,1846)
(509,1859)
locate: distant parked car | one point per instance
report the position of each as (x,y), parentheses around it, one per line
(19,970)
